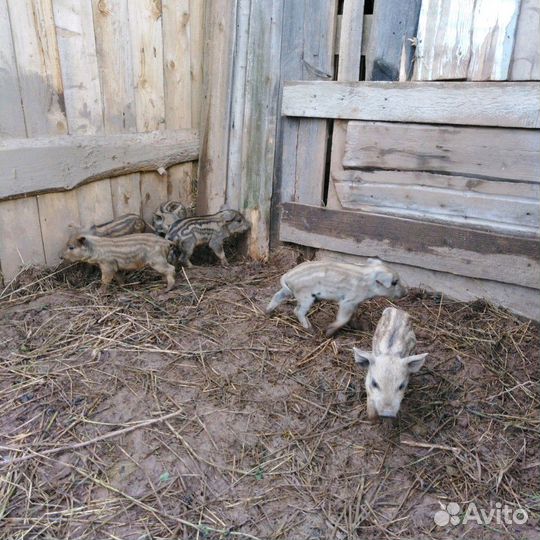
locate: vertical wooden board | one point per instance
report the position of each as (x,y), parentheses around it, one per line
(34,40)
(260,122)
(126,194)
(17,249)
(58,215)
(95,203)
(219,22)
(318,64)
(147,55)
(11,113)
(443,46)
(77,49)
(238,96)
(525,64)
(292,50)
(394,24)
(196,9)
(113,48)
(178,87)
(350,53)
(492,39)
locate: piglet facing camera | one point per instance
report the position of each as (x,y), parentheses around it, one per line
(390,363)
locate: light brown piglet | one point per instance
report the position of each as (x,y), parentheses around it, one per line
(131,252)
(120,226)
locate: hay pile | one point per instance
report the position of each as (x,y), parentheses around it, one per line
(190,414)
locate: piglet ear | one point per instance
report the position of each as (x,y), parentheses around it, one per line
(81,240)
(363,358)
(415,362)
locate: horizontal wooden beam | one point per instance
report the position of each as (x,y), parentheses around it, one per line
(447,248)
(512,154)
(29,166)
(504,104)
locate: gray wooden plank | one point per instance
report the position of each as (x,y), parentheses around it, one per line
(62,163)
(494,205)
(453,249)
(525,64)
(505,104)
(492,41)
(393,25)
(11,113)
(482,152)
(318,64)
(40,79)
(219,24)
(260,122)
(350,54)
(443,48)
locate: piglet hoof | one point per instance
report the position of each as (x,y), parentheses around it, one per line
(330,331)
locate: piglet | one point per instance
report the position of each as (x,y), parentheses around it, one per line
(347,284)
(167,214)
(389,364)
(211,230)
(131,252)
(120,226)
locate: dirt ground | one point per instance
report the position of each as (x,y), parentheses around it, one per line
(142,414)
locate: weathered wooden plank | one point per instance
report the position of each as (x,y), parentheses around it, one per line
(317,64)
(292,48)
(238,98)
(350,54)
(521,300)
(394,25)
(457,250)
(485,152)
(196,39)
(58,214)
(219,25)
(525,65)
(147,55)
(497,206)
(492,39)
(19,247)
(34,40)
(95,203)
(113,46)
(84,110)
(176,25)
(62,163)
(260,121)
(11,113)
(504,104)
(443,47)
(366,32)
(78,61)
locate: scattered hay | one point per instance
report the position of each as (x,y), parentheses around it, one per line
(190,414)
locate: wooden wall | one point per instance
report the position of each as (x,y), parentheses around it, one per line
(94,68)
(440,175)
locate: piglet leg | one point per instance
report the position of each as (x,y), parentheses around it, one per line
(345,312)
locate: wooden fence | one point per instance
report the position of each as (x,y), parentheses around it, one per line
(291,113)
(439,178)
(83,81)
